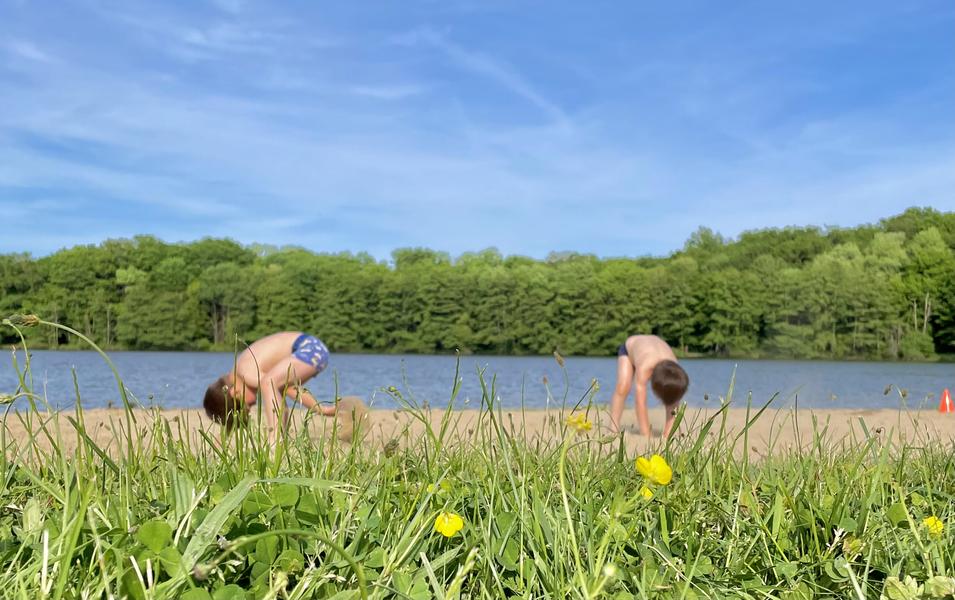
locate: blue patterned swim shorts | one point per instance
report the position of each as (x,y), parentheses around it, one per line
(310,350)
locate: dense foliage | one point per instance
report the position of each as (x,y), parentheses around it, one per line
(877,291)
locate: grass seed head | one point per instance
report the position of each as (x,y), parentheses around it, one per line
(22,320)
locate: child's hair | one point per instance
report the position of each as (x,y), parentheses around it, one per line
(221,406)
(669,382)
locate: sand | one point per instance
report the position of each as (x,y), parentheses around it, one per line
(775,432)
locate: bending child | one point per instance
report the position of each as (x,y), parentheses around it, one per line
(647,358)
(276,367)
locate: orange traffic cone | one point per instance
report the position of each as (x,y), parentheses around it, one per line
(945,406)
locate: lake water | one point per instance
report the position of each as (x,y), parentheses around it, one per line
(178,379)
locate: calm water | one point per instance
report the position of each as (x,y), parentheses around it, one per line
(178,379)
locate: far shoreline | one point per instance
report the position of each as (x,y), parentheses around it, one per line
(940,358)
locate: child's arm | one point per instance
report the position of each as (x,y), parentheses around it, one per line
(308,401)
(671,416)
(643,417)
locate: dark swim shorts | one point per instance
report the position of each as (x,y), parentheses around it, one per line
(622,350)
(309,349)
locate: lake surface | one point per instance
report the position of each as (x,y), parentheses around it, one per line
(178,379)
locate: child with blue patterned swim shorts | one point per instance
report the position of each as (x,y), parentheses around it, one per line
(273,368)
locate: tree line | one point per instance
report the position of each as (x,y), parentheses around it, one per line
(875,291)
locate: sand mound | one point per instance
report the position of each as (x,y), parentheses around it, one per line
(352,416)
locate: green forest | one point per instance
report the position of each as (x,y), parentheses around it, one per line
(883,291)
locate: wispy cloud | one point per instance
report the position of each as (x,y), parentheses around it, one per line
(388,92)
(230,6)
(227,37)
(28,51)
(486,66)
(194,38)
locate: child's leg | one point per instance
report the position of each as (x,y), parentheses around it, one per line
(311,351)
(640,408)
(619,398)
(278,382)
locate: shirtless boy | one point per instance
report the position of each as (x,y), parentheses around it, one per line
(648,359)
(275,366)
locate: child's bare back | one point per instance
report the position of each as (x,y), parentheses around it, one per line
(645,352)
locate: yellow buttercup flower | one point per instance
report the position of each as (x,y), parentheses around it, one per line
(655,470)
(579,422)
(448,524)
(934,525)
(646,492)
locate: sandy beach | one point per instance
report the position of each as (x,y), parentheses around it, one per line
(774,432)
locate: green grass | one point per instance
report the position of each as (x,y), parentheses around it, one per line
(558,516)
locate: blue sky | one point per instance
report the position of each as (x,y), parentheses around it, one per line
(611,128)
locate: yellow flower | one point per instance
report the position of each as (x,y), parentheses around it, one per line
(656,469)
(934,525)
(579,422)
(448,524)
(646,492)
